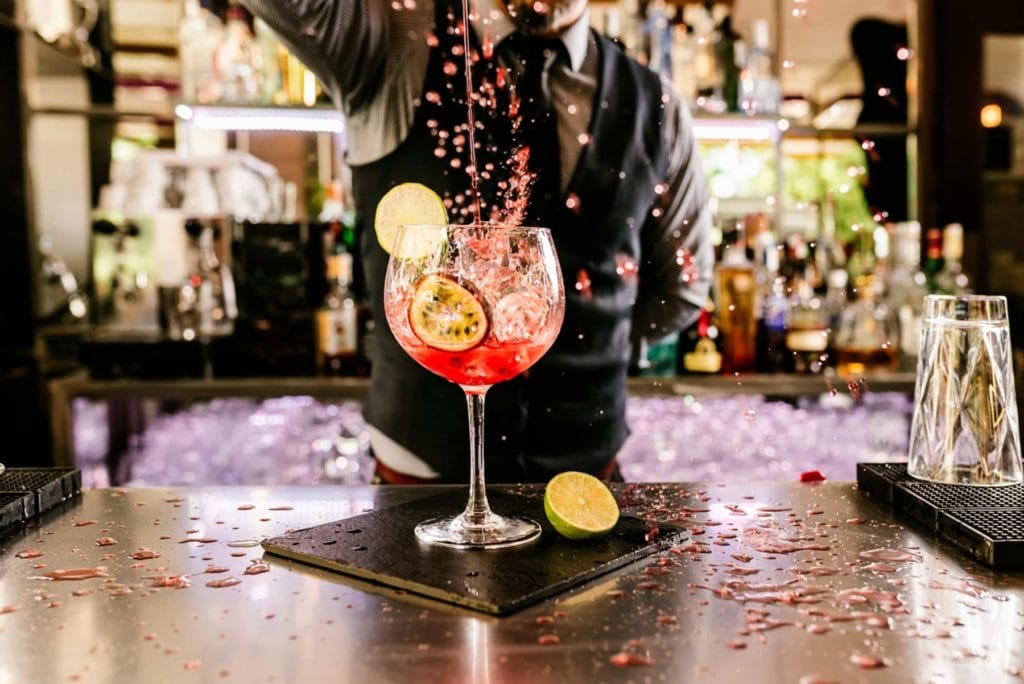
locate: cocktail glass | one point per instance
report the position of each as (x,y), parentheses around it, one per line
(476,304)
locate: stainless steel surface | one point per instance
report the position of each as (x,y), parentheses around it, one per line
(963,622)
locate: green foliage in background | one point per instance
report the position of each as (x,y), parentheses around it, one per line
(839,172)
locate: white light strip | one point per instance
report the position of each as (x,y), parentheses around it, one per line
(754,131)
(262,119)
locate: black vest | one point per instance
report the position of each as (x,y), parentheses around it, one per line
(568,411)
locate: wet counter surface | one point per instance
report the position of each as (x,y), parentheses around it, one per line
(792,583)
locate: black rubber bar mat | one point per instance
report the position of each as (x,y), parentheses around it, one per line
(986,522)
(15,508)
(28,492)
(380,546)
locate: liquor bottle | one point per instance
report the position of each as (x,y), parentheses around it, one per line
(951,278)
(865,334)
(709,91)
(759,89)
(807,334)
(199,38)
(684,73)
(273,79)
(735,292)
(772,354)
(337,322)
(240,60)
(835,302)
(698,346)
(906,288)
(725,58)
(933,256)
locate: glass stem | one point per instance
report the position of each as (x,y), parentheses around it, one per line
(477,509)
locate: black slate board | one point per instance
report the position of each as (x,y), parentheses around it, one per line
(986,522)
(381,546)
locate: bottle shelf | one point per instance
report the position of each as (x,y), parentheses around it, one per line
(103,112)
(317,119)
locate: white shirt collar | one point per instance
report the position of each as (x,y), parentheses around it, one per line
(491,19)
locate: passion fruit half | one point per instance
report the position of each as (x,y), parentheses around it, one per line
(446,315)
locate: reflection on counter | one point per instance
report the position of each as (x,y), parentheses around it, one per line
(300,440)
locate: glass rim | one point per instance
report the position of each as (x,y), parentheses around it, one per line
(965,298)
(467,226)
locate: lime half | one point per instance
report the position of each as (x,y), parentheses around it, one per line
(580,506)
(407,203)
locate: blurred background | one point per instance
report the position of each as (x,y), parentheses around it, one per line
(178,263)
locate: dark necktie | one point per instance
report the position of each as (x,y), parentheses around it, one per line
(538,125)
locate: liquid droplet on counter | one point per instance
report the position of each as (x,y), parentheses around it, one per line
(175,582)
(74,574)
(257,567)
(106,541)
(890,555)
(868,662)
(631,660)
(29,553)
(244,543)
(222,583)
(144,554)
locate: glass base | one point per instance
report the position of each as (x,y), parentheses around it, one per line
(968,476)
(493,532)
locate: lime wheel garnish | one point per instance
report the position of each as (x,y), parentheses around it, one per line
(404,204)
(446,315)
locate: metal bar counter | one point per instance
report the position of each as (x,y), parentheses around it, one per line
(777,582)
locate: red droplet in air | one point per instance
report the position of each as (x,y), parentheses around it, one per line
(433,97)
(689,273)
(500,77)
(812,476)
(854,389)
(583,284)
(626,267)
(450,69)
(432,40)
(572,203)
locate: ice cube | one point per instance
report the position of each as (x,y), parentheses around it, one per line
(519,315)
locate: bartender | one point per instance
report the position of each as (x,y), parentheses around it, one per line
(618,181)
